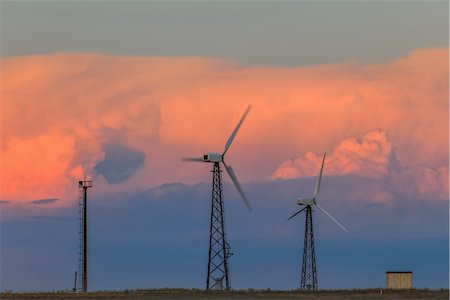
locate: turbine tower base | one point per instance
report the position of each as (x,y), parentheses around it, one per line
(309,271)
(218,277)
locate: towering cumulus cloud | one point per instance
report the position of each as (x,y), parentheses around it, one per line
(127,120)
(367,156)
(372,156)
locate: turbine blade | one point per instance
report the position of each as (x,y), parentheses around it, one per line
(297,212)
(197,159)
(319,178)
(236,183)
(233,134)
(331,217)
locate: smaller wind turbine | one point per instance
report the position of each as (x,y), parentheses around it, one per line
(309,272)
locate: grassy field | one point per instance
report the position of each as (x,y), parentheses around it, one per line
(243,294)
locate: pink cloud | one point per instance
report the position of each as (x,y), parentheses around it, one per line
(62,108)
(37,167)
(372,156)
(367,156)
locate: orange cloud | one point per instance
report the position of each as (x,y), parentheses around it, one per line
(372,156)
(38,167)
(367,156)
(70,105)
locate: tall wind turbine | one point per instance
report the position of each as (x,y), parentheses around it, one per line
(309,272)
(218,276)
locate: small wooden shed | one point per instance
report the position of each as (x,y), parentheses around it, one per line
(399,280)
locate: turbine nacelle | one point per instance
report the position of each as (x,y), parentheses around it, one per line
(212,157)
(311,202)
(306,201)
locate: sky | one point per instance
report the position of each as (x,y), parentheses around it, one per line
(119,91)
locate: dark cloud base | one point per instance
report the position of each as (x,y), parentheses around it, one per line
(120,162)
(158,238)
(44,201)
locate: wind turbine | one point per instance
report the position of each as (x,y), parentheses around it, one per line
(218,276)
(309,272)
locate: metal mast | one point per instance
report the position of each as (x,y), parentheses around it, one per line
(83,185)
(309,272)
(218,277)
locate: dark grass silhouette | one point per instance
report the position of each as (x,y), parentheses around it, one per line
(237,294)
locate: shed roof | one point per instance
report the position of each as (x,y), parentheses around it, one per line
(398,271)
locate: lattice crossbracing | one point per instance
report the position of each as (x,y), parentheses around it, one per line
(83,185)
(219,250)
(309,272)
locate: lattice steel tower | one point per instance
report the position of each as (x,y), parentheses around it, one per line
(309,271)
(219,250)
(218,276)
(83,185)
